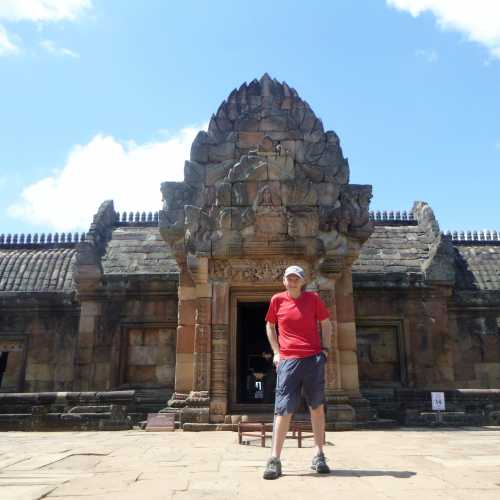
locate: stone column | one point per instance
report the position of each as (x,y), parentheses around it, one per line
(346,334)
(220,352)
(202,338)
(333,380)
(198,270)
(185,334)
(90,313)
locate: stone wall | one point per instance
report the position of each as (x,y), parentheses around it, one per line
(40,334)
(474,325)
(438,296)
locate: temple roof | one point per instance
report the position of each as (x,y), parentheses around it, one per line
(138,250)
(478,267)
(394,249)
(36,270)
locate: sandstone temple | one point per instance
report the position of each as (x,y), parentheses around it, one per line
(165,311)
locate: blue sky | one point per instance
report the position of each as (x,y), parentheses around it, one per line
(102,98)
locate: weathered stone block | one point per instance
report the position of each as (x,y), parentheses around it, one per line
(298,194)
(39,372)
(244,193)
(270,223)
(221,152)
(194,172)
(141,374)
(86,339)
(203,290)
(135,337)
(303,223)
(281,168)
(217,172)
(87,324)
(202,342)
(345,308)
(349,376)
(102,372)
(199,148)
(249,168)
(203,310)
(346,336)
(311,172)
(184,372)
(151,337)
(64,373)
(248,140)
(187,312)
(328,193)
(90,308)
(185,339)
(166,355)
(277,122)
(186,292)
(348,358)
(167,336)
(142,355)
(165,374)
(220,304)
(223,194)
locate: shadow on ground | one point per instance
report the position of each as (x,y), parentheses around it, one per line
(360,473)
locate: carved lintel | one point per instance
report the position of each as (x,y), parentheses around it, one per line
(253,270)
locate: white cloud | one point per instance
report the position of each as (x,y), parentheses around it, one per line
(52,48)
(42,10)
(7,46)
(105,168)
(478,19)
(429,55)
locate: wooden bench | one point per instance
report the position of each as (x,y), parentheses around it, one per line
(263,430)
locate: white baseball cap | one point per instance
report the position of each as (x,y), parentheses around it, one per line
(294,270)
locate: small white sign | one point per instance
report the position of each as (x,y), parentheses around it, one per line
(438,401)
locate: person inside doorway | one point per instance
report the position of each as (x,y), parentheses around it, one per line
(300,355)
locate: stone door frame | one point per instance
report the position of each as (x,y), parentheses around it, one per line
(23,340)
(238,295)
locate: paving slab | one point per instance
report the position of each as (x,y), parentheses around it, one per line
(441,464)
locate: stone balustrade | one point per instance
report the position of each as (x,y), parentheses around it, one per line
(488,237)
(42,239)
(392,217)
(136,218)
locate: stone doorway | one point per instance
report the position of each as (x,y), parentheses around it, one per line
(3,364)
(255,373)
(12,365)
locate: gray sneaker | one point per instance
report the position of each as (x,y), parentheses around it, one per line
(319,464)
(273,468)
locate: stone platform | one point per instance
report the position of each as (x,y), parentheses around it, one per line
(392,464)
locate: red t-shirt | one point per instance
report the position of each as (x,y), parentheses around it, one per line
(297,321)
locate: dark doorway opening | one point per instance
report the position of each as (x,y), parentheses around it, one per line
(3,365)
(256,375)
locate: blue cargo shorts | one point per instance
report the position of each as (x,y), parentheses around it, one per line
(293,375)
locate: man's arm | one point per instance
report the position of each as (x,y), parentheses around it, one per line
(326,335)
(272,336)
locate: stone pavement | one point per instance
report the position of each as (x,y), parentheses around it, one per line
(392,464)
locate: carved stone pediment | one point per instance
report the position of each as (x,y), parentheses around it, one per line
(265,173)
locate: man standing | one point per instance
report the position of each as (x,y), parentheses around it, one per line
(300,356)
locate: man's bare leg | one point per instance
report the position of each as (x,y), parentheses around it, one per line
(282,424)
(318,426)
